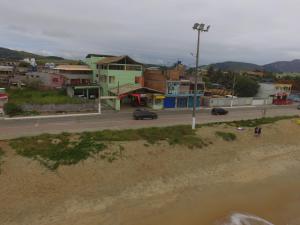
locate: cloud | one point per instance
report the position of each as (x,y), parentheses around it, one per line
(258,31)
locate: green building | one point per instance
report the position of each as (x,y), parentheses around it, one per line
(121,81)
(118,71)
(91,60)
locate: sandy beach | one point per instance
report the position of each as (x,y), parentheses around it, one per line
(161,184)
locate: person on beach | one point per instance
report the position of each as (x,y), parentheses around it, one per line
(256,131)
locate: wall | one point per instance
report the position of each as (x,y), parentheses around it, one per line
(86,107)
(265,90)
(114,103)
(122,77)
(155,79)
(92,62)
(226,102)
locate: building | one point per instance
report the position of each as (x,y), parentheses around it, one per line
(45,79)
(91,60)
(78,79)
(3,99)
(118,71)
(178,91)
(6,73)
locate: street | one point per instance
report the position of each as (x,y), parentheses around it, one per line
(123,120)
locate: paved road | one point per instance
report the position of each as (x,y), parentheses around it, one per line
(122,120)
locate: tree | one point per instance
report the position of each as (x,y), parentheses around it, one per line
(246,87)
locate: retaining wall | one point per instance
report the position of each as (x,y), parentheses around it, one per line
(85,107)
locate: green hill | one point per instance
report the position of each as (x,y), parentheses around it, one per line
(8,54)
(236,66)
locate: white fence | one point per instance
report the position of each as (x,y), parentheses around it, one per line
(227,102)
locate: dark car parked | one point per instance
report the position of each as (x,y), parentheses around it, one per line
(140,114)
(219,111)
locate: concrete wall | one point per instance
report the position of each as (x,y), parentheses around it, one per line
(226,102)
(86,107)
(263,101)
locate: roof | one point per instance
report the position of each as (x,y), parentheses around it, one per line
(128,88)
(73,67)
(6,68)
(97,55)
(118,59)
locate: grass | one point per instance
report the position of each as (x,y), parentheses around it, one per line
(251,122)
(53,151)
(226,136)
(41,97)
(1,157)
(64,149)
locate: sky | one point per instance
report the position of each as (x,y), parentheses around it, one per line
(154,31)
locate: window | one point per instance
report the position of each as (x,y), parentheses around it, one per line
(133,67)
(116,67)
(55,80)
(111,79)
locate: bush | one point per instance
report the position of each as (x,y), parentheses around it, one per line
(226,136)
(12,109)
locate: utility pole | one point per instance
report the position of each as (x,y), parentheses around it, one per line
(232,91)
(200,28)
(99,95)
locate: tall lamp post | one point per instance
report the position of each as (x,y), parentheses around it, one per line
(200,28)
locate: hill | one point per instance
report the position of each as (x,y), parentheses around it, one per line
(236,66)
(284,66)
(281,66)
(8,54)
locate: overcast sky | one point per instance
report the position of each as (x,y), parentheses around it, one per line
(154,31)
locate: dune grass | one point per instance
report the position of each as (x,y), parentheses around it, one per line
(226,136)
(67,149)
(53,151)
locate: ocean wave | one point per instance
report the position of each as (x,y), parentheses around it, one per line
(244,219)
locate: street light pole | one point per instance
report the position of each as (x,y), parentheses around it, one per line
(196,83)
(99,95)
(200,28)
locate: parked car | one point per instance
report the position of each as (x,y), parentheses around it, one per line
(298,107)
(219,111)
(140,114)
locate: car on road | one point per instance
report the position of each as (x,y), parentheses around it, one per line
(140,114)
(219,111)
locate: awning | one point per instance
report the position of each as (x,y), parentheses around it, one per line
(130,89)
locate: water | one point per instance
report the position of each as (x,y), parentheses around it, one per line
(244,219)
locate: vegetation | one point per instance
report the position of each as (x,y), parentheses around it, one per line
(226,136)
(53,151)
(11,109)
(35,96)
(9,54)
(244,86)
(260,121)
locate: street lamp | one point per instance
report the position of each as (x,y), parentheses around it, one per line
(200,28)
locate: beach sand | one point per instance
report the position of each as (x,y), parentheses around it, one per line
(162,184)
